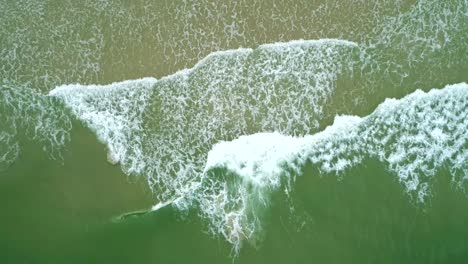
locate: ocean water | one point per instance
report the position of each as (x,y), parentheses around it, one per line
(234,131)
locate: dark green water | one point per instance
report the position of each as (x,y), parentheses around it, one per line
(256,147)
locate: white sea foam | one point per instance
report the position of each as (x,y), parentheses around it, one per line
(164,129)
(399,41)
(427,39)
(415,136)
(114,112)
(167,134)
(25,114)
(163,37)
(9,149)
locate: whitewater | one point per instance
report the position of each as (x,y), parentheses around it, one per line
(248,116)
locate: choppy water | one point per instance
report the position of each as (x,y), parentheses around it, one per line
(247,131)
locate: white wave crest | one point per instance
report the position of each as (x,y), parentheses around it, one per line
(414,136)
(163,129)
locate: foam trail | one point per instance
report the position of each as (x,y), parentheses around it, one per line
(414,136)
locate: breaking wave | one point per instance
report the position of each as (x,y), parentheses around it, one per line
(164,129)
(241,124)
(415,137)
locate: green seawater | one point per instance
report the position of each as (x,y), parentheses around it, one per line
(278,143)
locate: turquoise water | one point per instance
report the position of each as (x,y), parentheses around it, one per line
(245,132)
